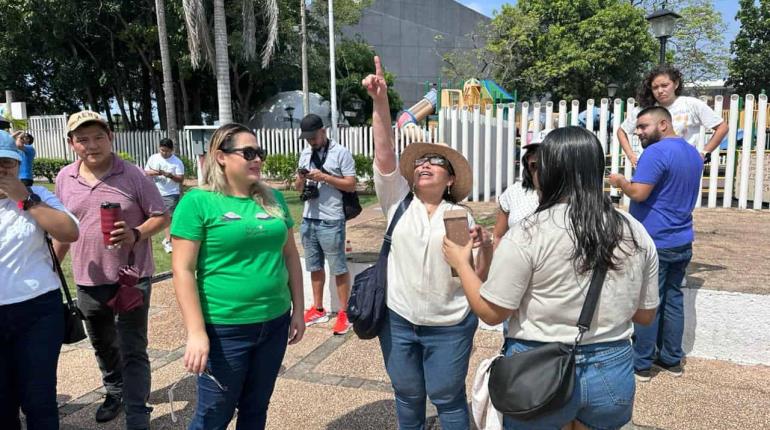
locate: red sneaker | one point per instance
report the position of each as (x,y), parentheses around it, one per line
(315,316)
(342,325)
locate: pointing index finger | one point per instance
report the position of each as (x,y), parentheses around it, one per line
(378,66)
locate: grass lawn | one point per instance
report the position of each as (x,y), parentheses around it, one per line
(163,260)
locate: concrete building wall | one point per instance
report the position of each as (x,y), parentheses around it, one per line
(403,34)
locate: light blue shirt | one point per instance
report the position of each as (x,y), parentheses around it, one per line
(27,157)
(339,162)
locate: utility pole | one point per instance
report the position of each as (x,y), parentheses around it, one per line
(332,69)
(303,34)
(168,79)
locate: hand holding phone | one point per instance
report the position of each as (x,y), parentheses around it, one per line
(457,230)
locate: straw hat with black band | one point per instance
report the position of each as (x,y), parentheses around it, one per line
(463,175)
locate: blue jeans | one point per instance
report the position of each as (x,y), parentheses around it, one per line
(30,340)
(245,359)
(432,361)
(603,397)
(664,335)
(324,239)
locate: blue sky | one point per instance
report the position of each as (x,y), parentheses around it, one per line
(727,8)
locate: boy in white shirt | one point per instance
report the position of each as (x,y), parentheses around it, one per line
(167,171)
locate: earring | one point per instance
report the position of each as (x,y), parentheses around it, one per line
(449,190)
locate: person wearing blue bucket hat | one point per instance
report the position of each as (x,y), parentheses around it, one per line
(31,311)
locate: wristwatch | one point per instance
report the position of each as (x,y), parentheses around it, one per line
(31,200)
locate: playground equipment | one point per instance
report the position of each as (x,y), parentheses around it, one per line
(419,111)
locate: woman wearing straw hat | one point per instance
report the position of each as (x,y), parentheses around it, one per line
(428,336)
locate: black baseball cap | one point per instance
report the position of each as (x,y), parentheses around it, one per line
(309,125)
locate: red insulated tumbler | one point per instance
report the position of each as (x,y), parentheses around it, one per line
(110,215)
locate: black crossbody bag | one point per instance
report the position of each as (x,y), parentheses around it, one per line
(73,318)
(532,383)
(351,206)
(367,306)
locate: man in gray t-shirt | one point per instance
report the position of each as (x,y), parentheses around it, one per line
(325,170)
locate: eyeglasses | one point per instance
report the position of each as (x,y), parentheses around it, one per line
(205,373)
(434,160)
(248,153)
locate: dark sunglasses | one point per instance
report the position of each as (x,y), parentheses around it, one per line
(434,160)
(248,153)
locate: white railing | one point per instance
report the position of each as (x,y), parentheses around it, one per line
(491,142)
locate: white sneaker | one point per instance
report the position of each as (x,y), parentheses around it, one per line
(167,246)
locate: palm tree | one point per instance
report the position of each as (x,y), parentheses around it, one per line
(201,50)
(168,79)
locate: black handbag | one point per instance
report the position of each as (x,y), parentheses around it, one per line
(367,305)
(74,331)
(535,382)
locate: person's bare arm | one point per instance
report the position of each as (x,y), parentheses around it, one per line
(719,133)
(501,227)
(377,88)
(644,316)
(293,265)
(625,143)
(636,191)
(184,265)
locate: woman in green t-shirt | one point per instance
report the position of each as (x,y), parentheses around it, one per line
(238,281)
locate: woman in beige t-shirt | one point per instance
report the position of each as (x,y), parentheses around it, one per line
(541,272)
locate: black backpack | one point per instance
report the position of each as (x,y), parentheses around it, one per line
(367,305)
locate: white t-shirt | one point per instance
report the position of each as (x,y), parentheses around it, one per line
(532,272)
(420,284)
(518,202)
(688,114)
(26,268)
(173,165)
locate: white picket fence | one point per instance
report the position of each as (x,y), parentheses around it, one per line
(491,141)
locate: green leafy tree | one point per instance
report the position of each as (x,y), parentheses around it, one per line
(565,48)
(751,48)
(698,43)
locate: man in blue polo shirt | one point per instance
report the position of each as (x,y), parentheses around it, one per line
(325,169)
(663,193)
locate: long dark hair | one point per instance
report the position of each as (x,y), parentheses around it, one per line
(645,96)
(527,181)
(571,170)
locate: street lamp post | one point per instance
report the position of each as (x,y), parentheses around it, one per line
(663,22)
(290,111)
(612,89)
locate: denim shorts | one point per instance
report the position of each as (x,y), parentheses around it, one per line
(170,202)
(603,397)
(324,239)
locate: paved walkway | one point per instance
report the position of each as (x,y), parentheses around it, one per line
(339,382)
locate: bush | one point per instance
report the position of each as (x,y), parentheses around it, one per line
(125,156)
(281,167)
(190,167)
(365,170)
(48,167)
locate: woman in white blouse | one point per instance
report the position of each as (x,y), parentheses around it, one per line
(540,276)
(31,313)
(428,336)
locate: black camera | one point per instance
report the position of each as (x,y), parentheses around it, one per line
(310,191)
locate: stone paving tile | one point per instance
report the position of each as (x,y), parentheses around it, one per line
(710,395)
(77,374)
(165,329)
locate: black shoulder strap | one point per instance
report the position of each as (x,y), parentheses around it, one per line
(57,269)
(396,216)
(594,291)
(319,162)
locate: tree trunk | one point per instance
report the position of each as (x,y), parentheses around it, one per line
(168,79)
(222,64)
(185,101)
(108,111)
(146,122)
(124,117)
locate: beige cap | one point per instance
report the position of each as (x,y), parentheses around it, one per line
(78,119)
